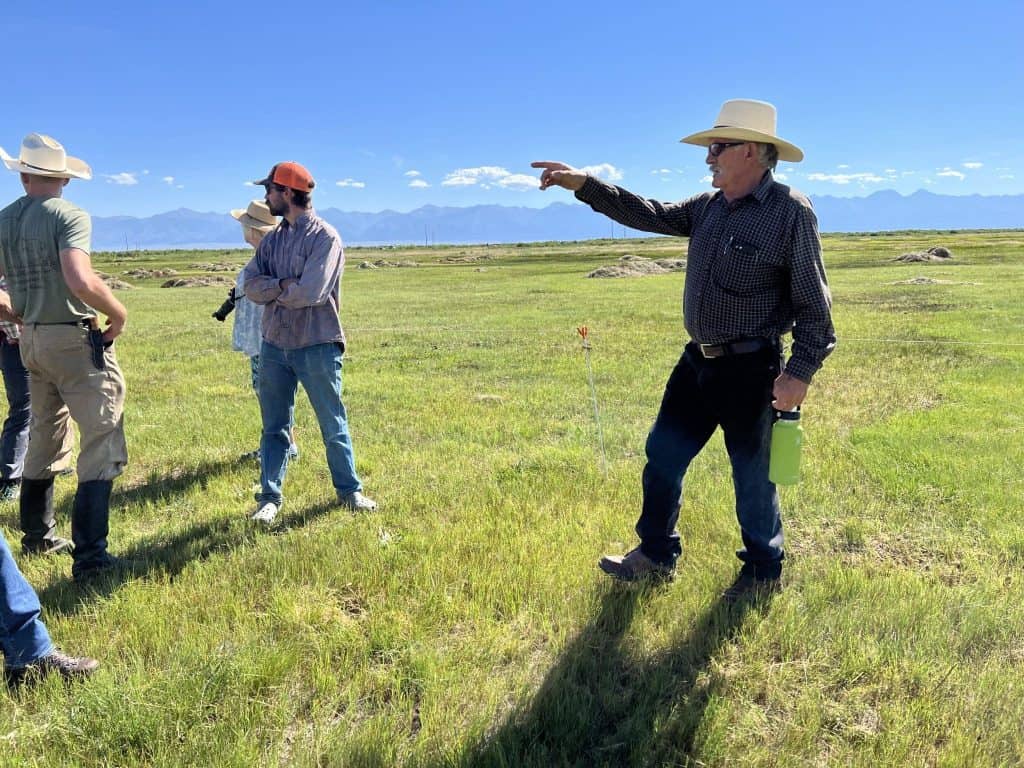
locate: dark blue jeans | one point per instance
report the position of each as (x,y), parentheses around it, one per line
(23,638)
(14,439)
(734,393)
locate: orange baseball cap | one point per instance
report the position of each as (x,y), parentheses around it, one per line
(289,174)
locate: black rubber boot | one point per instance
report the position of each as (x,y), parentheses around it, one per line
(37,519)
(90,518)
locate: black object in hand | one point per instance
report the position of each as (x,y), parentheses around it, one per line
(227,307)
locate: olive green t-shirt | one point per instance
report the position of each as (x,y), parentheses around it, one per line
(33,232)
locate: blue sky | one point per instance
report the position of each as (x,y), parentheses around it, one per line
(400,104)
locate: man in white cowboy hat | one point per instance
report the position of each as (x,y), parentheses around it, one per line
(73,372)
(754,273)
(296,275)
(247,334)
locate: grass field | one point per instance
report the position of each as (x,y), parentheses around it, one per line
(465,623)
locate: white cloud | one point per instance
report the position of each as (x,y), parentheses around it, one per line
(1007,176)
(179,186)
(661,171)
(605,171)
(950,173)
(972,166)
(845,178)
(890,171)
(518,181)
(908,173)
(248,184)
(842,166)
(145,172)
(351,183)
(169,180)
(412,174)
(707,179)
(781,177)
(418,184)
(124,178)
(467,177)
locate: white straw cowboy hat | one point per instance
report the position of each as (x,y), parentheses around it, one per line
(747,120)
(45,156)
(257,216)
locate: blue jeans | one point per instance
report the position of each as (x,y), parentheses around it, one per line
(23,637)
(702,394)
(318,369)
(14,439)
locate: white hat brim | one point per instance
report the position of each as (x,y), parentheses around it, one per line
(76,169)
(788,152)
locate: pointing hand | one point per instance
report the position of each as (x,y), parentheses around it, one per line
(559,175)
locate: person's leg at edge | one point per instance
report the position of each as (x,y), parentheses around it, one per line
(320,374)
(683,426)
(277,397)
(23,635)
(747,424)
(14,438)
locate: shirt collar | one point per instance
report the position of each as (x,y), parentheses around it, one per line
(302,221)
(760,193)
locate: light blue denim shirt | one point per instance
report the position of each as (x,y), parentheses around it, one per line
(306,313)
(247,333)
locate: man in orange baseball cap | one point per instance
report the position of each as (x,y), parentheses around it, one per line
(296,275)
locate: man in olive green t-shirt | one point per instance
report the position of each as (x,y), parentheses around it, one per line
(73,372)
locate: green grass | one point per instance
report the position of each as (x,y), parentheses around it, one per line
(465,623)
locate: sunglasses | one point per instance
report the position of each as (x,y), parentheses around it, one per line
(719,147)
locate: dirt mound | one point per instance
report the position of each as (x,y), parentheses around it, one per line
(921,281)
(468,259)
(117,285)
(141,273)
(197,282)
(936,253)
(385,263)
(638,266)
(222,267)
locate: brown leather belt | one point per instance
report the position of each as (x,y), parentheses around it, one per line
(730,348)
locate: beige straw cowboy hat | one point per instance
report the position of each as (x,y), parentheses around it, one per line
(747,120)
(45,156)
(257,216)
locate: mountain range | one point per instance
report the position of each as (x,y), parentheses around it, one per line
(878,212)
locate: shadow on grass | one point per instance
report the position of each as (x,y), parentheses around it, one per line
(601,705)
(167,555)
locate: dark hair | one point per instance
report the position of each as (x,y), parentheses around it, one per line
(300,199)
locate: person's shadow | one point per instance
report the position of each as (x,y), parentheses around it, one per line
(168,555)
(599,705)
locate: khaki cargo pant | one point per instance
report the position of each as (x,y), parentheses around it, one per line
(63,385)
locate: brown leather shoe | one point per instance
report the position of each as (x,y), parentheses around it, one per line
(748,587)
(635,566)
(68,667)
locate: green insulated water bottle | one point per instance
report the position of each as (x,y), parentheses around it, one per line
(784,458)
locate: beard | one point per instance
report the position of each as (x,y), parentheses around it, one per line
(277,210)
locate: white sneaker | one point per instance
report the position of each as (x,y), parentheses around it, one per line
(356,502)
(266,513)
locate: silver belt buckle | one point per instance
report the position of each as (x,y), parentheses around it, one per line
(704,351)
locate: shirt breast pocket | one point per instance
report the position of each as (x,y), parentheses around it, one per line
(747,270)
